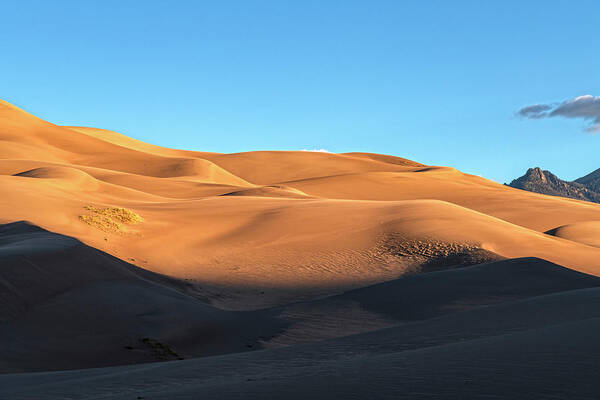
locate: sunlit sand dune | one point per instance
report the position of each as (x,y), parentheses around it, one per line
(587,232)
(290,225)
(134,253)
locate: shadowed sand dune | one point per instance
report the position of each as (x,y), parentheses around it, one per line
(66,305)
(331,263)
(424,296)
(516,345)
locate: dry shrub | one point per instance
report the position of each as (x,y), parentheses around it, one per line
(110,219)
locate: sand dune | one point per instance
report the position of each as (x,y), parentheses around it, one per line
(424,296)
(535,211)
(286,166)
(386,159)
(135,253)
(72,178)
(130,143)
(587,232)
(269,191)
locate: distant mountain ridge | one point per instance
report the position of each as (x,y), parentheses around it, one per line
(545,182)
(591,180)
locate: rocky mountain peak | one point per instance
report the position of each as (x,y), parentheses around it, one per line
(545,182)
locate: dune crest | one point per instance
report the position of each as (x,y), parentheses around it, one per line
(270,191)
(587,232)
(63,176)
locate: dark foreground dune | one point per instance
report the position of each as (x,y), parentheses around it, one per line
(541,347)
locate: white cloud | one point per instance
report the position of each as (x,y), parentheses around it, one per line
(317,150)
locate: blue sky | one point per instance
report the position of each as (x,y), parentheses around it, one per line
(439,82)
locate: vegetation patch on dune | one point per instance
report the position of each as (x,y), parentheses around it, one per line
(110,219)
(103,223)
(123,215)
(160,350)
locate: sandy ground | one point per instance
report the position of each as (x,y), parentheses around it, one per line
(528,342)
(282,274)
